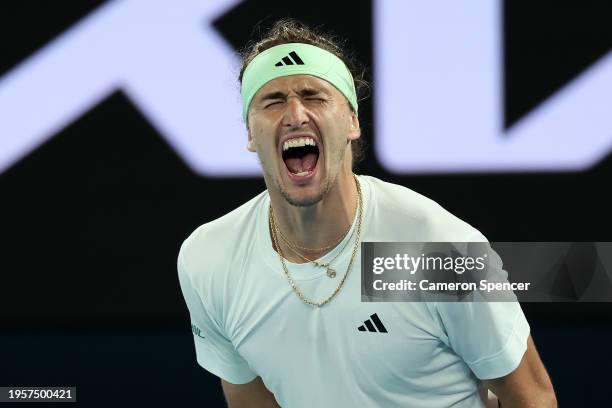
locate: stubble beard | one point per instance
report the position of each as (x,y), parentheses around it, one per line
(307,201)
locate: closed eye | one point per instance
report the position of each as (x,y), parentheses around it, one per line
(273,103)
(307,99)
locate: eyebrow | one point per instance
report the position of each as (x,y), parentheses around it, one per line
(283,95)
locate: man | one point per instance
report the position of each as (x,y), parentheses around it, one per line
(273,287)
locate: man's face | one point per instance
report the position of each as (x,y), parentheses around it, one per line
(301,127)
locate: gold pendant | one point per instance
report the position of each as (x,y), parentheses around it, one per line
(331,272)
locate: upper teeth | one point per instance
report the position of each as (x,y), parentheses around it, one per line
(298,142)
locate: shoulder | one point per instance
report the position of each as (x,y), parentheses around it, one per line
(414,216)
(213,244)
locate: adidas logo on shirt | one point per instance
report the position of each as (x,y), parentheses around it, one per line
(291,59)
(372,324)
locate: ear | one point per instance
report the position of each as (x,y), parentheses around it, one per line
(354,129)
(251,147)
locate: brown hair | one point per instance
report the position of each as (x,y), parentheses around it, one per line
(292,31)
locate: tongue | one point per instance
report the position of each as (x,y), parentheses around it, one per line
(301,164)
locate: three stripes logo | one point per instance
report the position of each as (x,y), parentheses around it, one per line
(372,324)
(291,59)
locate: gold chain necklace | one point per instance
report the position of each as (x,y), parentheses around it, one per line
(303,298)
(331,272)
(293,245)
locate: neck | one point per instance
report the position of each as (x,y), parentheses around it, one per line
(319,225)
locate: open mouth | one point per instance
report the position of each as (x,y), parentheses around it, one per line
(300,156)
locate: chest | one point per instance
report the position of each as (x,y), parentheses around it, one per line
(390,344)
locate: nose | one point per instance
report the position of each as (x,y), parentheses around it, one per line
(295,115)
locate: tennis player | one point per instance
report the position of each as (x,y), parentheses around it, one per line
(273,287)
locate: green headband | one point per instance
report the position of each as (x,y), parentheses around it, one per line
(295,59)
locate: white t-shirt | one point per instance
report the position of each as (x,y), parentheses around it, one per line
(248,322)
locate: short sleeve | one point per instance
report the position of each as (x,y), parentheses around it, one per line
(490,336)
(214,352)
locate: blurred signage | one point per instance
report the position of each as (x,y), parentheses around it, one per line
(172,65)
(439,97)
(438,90)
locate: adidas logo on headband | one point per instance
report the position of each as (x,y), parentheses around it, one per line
(291,59)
